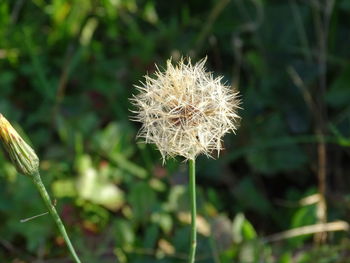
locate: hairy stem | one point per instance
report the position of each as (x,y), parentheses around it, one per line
(39,184)
(192,185)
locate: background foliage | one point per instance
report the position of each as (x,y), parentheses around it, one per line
(67,71)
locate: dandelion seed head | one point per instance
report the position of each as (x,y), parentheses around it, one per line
(185,110)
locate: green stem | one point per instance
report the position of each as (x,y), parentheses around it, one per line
(192,185)
(39,184)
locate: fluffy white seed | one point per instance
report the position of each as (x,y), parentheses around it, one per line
(185,111)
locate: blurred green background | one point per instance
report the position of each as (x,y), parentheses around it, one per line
(67,69)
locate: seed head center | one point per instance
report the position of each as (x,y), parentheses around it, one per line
(185,116)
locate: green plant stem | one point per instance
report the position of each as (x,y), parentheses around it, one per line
(52,210)
(192,185)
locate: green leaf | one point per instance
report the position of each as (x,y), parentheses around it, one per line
(237,228)
(164,220)
(338,94)
(124,233)
(142,199)
(64,188)
(95,188)
(286,258)
(242,229)
(151,236)
(248,231)
(250,197)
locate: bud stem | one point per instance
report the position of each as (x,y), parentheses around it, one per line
(192,188)
(40,186)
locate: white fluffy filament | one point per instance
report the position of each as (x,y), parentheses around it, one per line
(185,110)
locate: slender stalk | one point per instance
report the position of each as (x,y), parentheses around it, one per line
(192,185)
(52,210)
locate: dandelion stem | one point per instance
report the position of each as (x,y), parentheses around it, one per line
(192,186)
(39,184)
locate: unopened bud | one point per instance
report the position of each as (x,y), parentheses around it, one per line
(22,155)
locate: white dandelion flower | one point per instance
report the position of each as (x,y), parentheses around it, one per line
(185,111)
